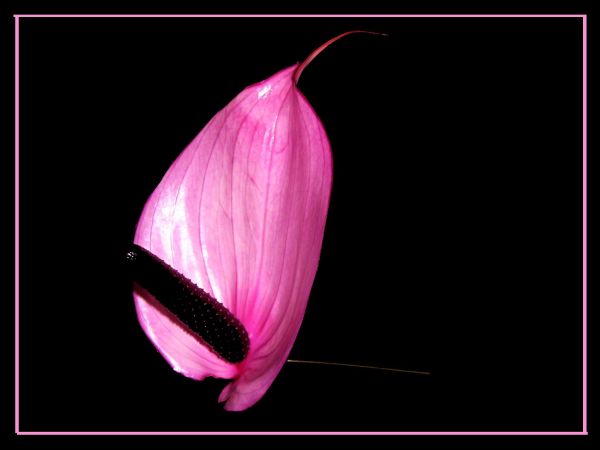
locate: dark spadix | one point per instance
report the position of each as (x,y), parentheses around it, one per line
(196,310)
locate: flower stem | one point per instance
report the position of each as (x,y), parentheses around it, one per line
(326,363)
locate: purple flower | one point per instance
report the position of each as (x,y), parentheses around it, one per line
(241,213)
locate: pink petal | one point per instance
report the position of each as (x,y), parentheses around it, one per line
(241,212)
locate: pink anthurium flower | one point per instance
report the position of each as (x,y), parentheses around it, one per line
(241,213)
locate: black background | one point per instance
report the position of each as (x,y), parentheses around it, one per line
(453,241)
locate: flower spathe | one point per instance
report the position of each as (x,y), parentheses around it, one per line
(242,212)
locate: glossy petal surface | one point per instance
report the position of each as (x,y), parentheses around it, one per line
(241,212)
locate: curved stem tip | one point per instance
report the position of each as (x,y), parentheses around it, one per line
(318,50)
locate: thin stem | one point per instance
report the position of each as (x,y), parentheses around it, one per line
(326,363)
(316,52)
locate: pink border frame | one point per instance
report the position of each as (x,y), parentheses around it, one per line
(405,433)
